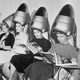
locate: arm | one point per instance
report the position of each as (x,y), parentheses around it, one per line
(7,47)
(73,55)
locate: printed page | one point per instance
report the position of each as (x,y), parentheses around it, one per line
(61,61)
(54,58)
(32,48)
(49,56)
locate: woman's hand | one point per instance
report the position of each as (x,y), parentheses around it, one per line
(39,49)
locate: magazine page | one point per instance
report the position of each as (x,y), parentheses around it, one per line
(62,61)
(49,56)
(57,59)
(32,48)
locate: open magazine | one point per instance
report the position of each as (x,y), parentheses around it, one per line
(58,60)
(52,57)
(32,48)
(61,61)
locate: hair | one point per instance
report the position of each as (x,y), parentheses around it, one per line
(7,26)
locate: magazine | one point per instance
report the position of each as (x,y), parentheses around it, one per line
(49,56)
(62,61)
(32,48)
(59,60)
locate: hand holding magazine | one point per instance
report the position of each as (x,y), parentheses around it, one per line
(59,60)
(52,57)
(62,61)
(32,47)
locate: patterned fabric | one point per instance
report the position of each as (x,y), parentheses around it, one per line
(20,39)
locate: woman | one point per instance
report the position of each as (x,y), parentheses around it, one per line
(43,70)
(6,39)
(22,61)
(21,19)
(6,44)
(40,40)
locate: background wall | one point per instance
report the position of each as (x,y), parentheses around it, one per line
(8,7)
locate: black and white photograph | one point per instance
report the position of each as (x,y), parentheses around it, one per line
(39,40)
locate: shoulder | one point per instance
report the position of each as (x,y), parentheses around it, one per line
(53,47)
(11,34)
(45,39)
(71,48)
(56,45)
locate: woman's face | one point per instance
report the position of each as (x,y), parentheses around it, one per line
(37,33)
(19,27)
(5,29)
(62,38)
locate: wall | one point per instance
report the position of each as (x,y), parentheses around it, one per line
(8,7)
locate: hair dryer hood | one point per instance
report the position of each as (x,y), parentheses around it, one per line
(9,20)
(64,22)
(22,15)
(40,20)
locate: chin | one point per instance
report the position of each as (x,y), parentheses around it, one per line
(38,37)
